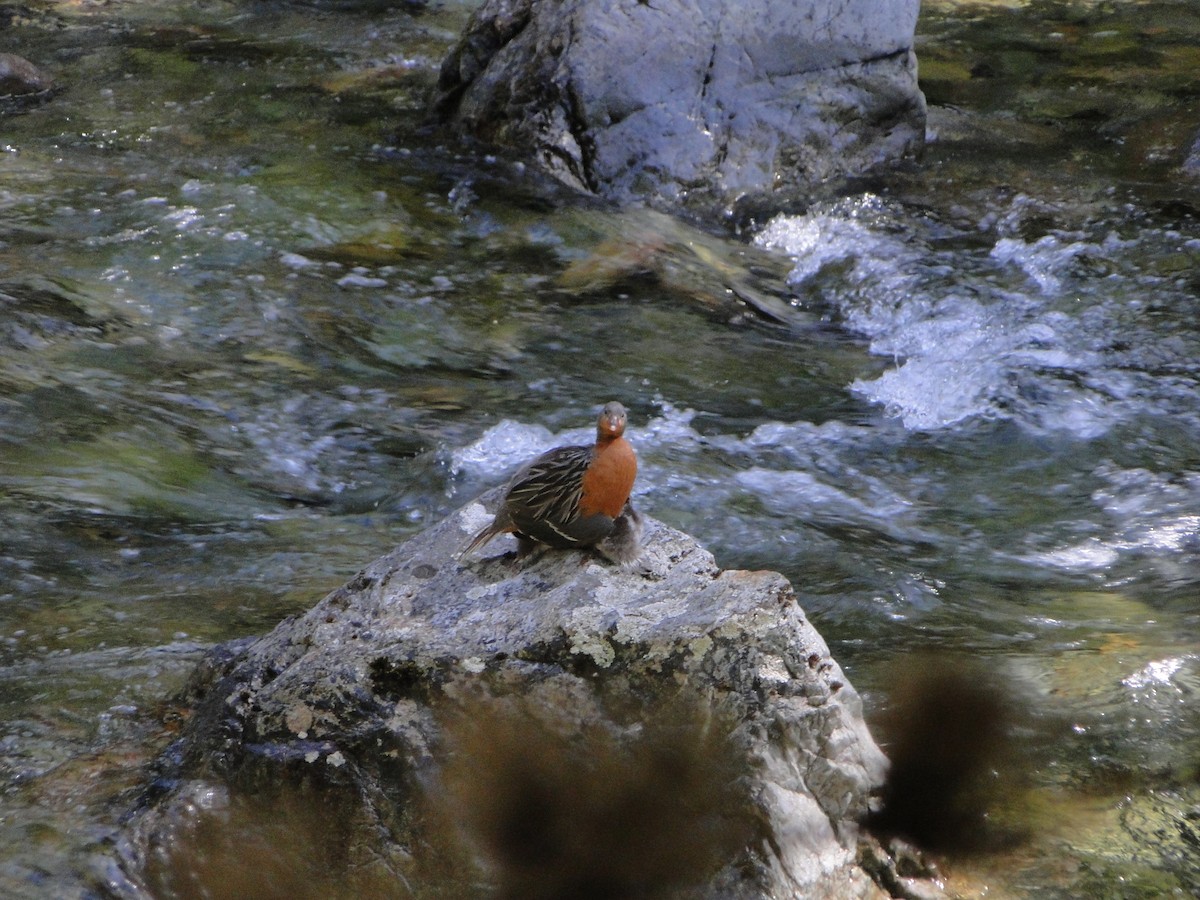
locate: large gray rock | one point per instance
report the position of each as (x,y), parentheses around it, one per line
(358,689)
(709,99)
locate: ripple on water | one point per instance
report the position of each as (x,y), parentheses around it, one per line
(1149,523)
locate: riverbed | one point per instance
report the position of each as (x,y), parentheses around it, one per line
(258,324)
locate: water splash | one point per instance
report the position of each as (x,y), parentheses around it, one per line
(509,443)
(969,338)
(1150,520)
(505,445)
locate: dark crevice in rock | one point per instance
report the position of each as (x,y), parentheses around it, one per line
(708,72)
(574,111)
(401,680)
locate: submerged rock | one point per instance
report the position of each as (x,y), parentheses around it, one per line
(22,84)
(708,100)
(19,76)
(585,663)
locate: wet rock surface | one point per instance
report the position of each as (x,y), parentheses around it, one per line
(680,101)
(22,84)
(357,692)
(19,76)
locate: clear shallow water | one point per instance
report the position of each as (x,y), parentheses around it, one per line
(257,327)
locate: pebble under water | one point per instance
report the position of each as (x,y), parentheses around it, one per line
(257,326)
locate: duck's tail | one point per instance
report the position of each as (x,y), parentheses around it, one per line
(479,540)
(502,524)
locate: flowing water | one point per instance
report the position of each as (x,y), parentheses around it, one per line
(258,325)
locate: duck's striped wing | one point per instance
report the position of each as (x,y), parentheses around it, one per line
(550,487)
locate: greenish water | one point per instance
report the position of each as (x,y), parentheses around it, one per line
(257,326)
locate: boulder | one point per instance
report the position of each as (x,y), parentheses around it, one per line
(689,100)
(19,76)
(361,692)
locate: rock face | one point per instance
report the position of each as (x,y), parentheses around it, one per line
(688,99)
(356,691)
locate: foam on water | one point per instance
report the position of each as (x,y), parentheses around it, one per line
(1009,333)
(1046,260)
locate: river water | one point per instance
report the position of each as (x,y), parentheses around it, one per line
(258,326)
